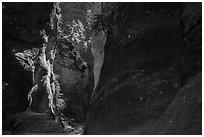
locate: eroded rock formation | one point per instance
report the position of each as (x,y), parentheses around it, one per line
(36,25)
(151,52)
(136,71)
(97,48)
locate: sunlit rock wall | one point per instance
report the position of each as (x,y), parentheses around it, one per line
(21,23)
(75,86)
(97,48)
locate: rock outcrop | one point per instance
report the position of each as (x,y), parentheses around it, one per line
(22,23)
(151,52)
(137,71)
(75,85)
(97,48)
(184,113)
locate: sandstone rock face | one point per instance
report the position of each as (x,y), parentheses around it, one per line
(184,113)
(73,87)
(97,48)
(21,25)
(191,45)
(39,97)
(145,85)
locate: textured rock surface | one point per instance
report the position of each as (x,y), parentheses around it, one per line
(73,87)
(184,113)
(97,48)
(21,25)
(147,64)
(146,72)
(76,86)
(31,123)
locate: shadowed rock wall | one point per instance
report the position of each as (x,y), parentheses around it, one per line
(145,75)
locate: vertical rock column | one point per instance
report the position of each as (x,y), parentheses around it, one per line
(97,49)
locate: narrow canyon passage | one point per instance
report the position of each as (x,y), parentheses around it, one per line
(102,68)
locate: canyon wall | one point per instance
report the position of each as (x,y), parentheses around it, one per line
(150,81)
